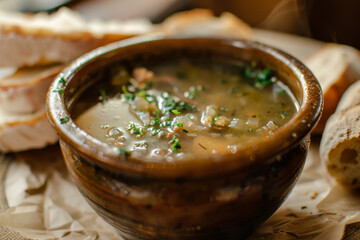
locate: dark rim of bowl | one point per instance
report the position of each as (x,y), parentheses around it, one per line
(104,155)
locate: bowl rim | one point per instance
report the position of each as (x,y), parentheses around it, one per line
(104,155)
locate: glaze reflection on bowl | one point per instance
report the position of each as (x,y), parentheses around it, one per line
(226,198)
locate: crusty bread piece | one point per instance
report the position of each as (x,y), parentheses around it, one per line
(25,90)
(25,131)
(28,40)
(336,67)
(340,146)
(351,97)
(202,22)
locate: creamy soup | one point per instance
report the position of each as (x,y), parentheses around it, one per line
(176,111)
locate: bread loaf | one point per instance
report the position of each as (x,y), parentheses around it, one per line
(340,143)
(202,22)
(351,97)
(28,40)
(336,67)
(25,90)
(19,132)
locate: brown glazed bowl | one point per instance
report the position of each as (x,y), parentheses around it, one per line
(197,199)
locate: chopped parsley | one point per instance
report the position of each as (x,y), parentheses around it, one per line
(148,84)
(172,105)
(249,73)
(213,121)
(123,152)
(282,115)
(102,95)
(60,91)
(184,130)
(174,111)
(260,78)
(127,94)
(303,207)
(180,124)
(64,119)
(136,130)
(155,122)
(166,124)
(233,90)
(140,145)
(155,131)
(149,98)
(281,91)
(175,144)
(264,78)
(62,80)
(192,92)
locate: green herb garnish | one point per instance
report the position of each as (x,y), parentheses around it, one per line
(176,112)
(155,122)
(191,93)
(281,91)
(249,73)
(62,80)
(127,94)
(214,119)
(59,91)
(148,84)
(155,131)
(283,115)
(166,124)
(233,90)
(123,152)
(264,78)
(170,104)
(180,124)
(175,144)
(184,130)
(102,95)
(64,119)
(147,97)
(135,130)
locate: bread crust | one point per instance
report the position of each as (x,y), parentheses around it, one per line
(25,91)
(340,146)
(336,67)
(40,39)
(26,132)
(19,50)
(203,22)
(350,98)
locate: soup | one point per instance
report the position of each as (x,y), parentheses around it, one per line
(183,110)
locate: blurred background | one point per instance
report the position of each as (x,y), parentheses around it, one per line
(326,20)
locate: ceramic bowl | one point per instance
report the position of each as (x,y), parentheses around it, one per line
(224,199)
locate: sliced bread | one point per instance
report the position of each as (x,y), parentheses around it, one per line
(340,146)
(25,90)
(39,39)
(202,22)
(19,132)
(336,67)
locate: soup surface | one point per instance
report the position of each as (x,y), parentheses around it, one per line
(184,110)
